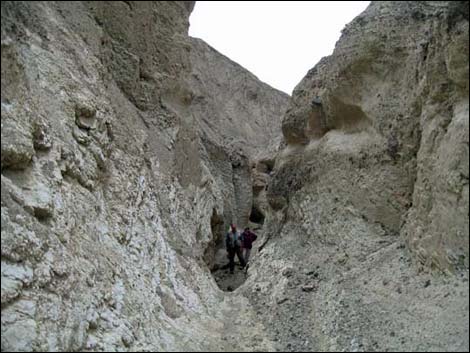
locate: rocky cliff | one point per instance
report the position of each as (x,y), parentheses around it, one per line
(120,170)
(369,199)
(239,122)
(127,148)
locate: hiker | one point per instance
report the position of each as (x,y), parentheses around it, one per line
(233,243)
(248,238)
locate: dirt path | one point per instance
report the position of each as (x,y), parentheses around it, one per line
(242,331)
(226,281)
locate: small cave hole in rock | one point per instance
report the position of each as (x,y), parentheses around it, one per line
(216,258)
(269,165)
(256,216)
(265,166)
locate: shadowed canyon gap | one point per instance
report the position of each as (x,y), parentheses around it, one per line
(128,148)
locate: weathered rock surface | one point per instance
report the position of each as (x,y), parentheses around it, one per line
(127,148)
(396,101)
(116,180)
(233,107)
(376,158)
(239,119)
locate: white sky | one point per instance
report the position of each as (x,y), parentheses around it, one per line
(278,41)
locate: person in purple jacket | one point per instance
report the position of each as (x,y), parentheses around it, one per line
(248,237)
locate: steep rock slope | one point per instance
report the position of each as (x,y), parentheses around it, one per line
(239,120)
(122,160)
(112,188)
(232,105)
(372,188)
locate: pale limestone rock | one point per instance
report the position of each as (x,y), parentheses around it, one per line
(111,180)
(14,278)
(20,336)
(127,148)
(372,188)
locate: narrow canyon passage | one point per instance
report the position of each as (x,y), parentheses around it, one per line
(256,177)
(128,148)
(220,267)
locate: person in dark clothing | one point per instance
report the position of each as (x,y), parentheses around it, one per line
(248,237)
(233,243)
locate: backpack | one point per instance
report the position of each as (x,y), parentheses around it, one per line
(233,239)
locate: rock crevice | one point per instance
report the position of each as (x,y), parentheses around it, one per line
(128,148)
(120,174)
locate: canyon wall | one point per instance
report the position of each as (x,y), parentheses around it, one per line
(127,148)
(115,180)
(366,242)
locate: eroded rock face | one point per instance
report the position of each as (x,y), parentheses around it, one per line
(113,188)
(239,118)
(400,99)
(127,148)
(376,158)
(232,105)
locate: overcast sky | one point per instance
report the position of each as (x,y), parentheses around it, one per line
(278,41)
